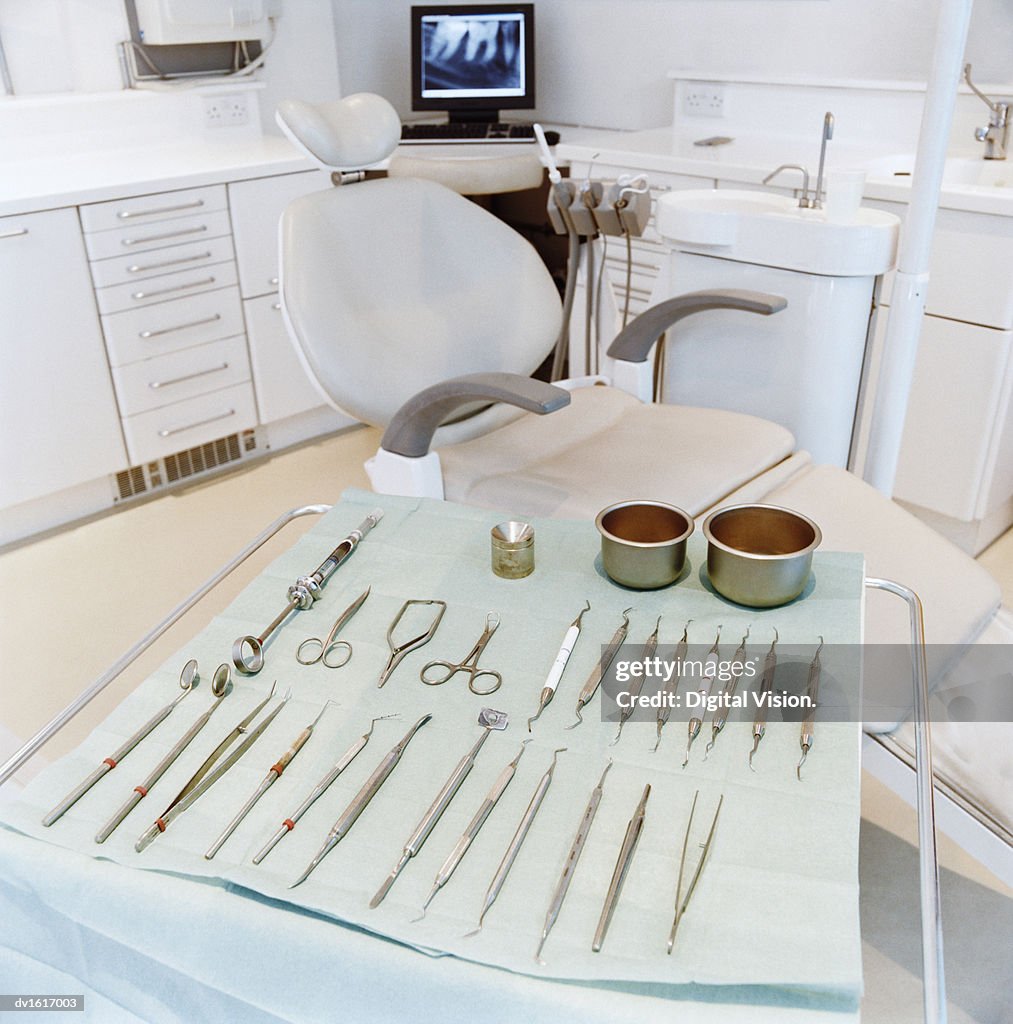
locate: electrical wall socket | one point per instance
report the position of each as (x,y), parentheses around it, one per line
(226,111)
(703,99)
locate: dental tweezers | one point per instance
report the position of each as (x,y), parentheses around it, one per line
(635,687)
(608,656)
(682,903)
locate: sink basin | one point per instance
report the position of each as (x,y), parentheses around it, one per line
(958,172)
(772,230)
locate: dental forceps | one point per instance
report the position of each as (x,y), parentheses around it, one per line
(398,653)
(766,683)
(248,651)
(623,862)
(220,687)
(469,664)
(266,783)
(608,656)
(665,710)
(680,903)
(573,856)
(514,847)
(720,716)
(456,855)
(188,679)
(559,665)
(330,644)
(360,801)
(319,789)
(710,673)
(648,652)
(208,774)
(490,720)
(809,724)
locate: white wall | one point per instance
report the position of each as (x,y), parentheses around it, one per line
(641,40)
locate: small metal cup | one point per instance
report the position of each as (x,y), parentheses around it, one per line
(513,550)
(643,543)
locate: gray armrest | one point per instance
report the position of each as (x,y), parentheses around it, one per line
(411,430)
(634,342)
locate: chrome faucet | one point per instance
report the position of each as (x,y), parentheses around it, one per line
(996,135)
(805,201)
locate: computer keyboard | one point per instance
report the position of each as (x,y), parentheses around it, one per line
(479,131)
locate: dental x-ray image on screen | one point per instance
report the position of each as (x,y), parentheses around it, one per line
(468,55)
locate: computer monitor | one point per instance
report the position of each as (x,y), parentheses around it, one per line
(472,60)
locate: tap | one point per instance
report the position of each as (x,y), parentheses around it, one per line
(996,135)
(804,201)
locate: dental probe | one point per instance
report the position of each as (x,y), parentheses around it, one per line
(188,679)
(267,782)
(809,724)
(720,716)
(319,789)
(608,655)
(456,855)
(559,665)
(514,848)
(680,903)
(623,862)
(634,691)
(204,778)
(673,684)
(359,802)
(766,682)
(220,686)
(710,673)
(428,822)
(576,848)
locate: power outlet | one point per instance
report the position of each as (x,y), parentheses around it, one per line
(226,111)
(704,99)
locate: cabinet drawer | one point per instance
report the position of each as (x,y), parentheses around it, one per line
(167,326)
(152,383)
(145,237)
(152,208)
(166,287)
(121,269)
(176,427)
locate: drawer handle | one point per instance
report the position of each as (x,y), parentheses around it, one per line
(273,281)
(199,423)
(175,288)
(127,214)
(16,233)
(156,384)
(164,235)
(275,305)
(180,327)
(143,268)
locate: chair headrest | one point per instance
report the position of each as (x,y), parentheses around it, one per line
(342,135)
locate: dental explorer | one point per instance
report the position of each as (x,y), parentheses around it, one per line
(576,848)
(635,687)
(266,783)
(720,716)
(359,802)
(220,686)
(710,673)
(680,903)
(766,682)
(397,653)
(248,651)
(608,656)
(422,831)
(623,862)
(514,847)
(188,679)
(665,710)
(456,855)
(207,775)
(319,789)
(809,724)
(559,665)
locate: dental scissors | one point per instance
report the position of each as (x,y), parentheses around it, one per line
(327,646)
(469,664)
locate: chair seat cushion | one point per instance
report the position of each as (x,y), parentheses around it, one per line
(472,176)
(607,446)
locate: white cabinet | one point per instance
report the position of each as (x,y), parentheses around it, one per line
(60,423)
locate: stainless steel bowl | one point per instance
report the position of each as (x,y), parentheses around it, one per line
(760,555)
(643,543)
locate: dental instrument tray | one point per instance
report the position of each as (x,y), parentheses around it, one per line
(797,843)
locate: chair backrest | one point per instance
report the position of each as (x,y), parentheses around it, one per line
(392,285)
